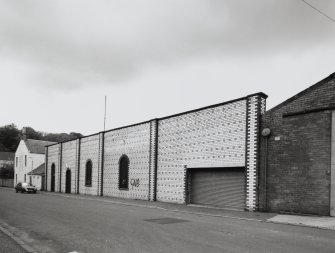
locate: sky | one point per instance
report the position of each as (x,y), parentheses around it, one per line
(59,59)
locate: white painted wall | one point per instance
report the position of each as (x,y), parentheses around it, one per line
(21,168)
(37,181)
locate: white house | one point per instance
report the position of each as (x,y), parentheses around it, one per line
(29,155)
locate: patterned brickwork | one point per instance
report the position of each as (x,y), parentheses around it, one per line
(135,143)
(59,175)
(153,160)
(78,152)
(255,107)
(263,106)
(89,150)
(69,162)
(213,137)
(100,173)
(53,158)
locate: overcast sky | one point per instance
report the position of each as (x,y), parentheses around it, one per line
(58,59)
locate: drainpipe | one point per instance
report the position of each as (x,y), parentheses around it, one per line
(266,134)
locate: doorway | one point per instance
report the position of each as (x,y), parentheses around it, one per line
(68,181)
(52,178)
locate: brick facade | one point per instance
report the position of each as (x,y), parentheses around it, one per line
(160,151)
(295,163)
(53,158)
(89,150)
(134,142)
(214,137)
(69,159)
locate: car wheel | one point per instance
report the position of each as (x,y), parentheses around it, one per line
(22,191)
(16,191)
(34,192)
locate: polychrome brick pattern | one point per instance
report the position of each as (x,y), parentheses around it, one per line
(78,141)
(69,162)
(152,162)
(254,107)
(213,137)
(263,106)
(135,143)
(89,150)
(100,160)
(53,157)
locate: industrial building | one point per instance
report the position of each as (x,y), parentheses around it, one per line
(207,156)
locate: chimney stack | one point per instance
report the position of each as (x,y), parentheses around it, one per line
(24,134)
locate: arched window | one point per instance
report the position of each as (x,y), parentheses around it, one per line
(123,172)
(88,177)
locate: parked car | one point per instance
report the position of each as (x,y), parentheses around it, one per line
(25,187)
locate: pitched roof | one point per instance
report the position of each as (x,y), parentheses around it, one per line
(40,170)
(37,146)
(7,156)
(304,92)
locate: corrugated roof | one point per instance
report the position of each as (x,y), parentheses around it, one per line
(7,156)
(40,170)
(37,146)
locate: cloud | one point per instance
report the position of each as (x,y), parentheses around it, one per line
(70,44)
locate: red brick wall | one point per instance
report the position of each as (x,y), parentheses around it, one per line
(298,162)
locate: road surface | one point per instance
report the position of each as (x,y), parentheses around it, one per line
(66,223)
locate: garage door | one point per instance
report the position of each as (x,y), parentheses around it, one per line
(218,187)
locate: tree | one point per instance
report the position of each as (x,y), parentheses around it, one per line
(7,171)
(9,137)
(32,134)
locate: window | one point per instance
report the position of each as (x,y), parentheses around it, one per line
(25,160)
(25,178)
(15,178)
(88,177)
(16,161)
(123,172)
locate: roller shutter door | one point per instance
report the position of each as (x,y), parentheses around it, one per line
(218,187)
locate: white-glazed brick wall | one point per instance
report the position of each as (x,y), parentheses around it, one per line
(89,150)
(53,158)
(69,162)
(161,150)
(213,137)
(153,159)
(134,142)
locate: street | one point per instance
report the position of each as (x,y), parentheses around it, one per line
(74,223)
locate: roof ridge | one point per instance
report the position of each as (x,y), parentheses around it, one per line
(39,140)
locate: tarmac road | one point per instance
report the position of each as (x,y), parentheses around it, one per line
(68,223)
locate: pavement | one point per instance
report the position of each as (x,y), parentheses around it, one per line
(55,222)
(308,221)
(7,244)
